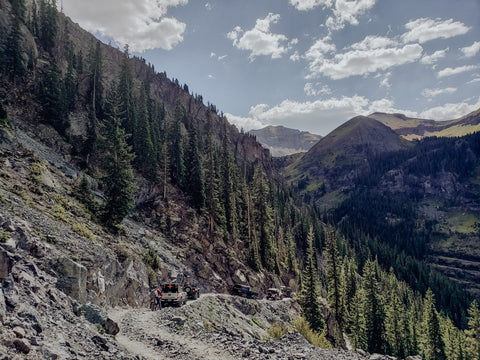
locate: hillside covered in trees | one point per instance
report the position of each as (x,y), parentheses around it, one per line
(152,152)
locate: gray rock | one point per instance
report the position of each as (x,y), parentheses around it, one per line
(94,314)
(72,278)
(414,357)
(179,320)
(19,332)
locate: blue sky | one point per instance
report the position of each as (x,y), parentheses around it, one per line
(305,64)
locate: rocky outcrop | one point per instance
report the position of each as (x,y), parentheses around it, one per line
(72,278)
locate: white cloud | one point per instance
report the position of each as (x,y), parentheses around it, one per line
(309,4)
(259,40)
(314,90)
(430,59)
(425,29)
(472,50)
(347,11)
(387,106)
(362,62)
(474,81)
(386,80)
(454,71)
(450,111)
(295,56)
(429,93)
(208,6)
(373,42)
(246,123)
(141,24)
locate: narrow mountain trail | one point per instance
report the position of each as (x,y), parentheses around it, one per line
(144,333)
(218,326)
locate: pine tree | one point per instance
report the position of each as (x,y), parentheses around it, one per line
(394,332)
(309,295)
(349,289)
(291,259)
(119,180)
(373,309)
(263,215)
(126,93)
(176,147)
(473,332)
(333,275)
(216,216)
(50,96)
(12,54)
(433,347)
(142,140)
(195,186)
(48,24)
(358,327)
(227,184)
(95,89)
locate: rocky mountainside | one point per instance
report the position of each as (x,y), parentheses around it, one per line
(412,128)
(282,141)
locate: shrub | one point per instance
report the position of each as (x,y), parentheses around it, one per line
(276,331)
(151,258)
(82,230)
(4,236)
(313,337)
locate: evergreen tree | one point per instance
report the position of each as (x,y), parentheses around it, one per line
(126,92)
(349,289)
(119,180)
(48,24)
(216,216)
(291,259)
(358,327)
(95,89)
(176,148)
(263,215)
(227,184)
(142,140)
(473,332)
(12,54)
(433,347)
(70,83)
(50,96)
(95,99)
(395,335)
(373,309)
(195,184)
(309,295)
(334,275)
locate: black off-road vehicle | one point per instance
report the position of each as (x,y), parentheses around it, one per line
(244,291)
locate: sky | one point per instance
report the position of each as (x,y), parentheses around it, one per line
(304,64)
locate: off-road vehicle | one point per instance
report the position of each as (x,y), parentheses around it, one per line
(172,294)
(274,294)
(244,291)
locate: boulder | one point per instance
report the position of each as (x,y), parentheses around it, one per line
(96,315)
(22,345)
(72,278)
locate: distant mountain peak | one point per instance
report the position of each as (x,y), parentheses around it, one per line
(282,141)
